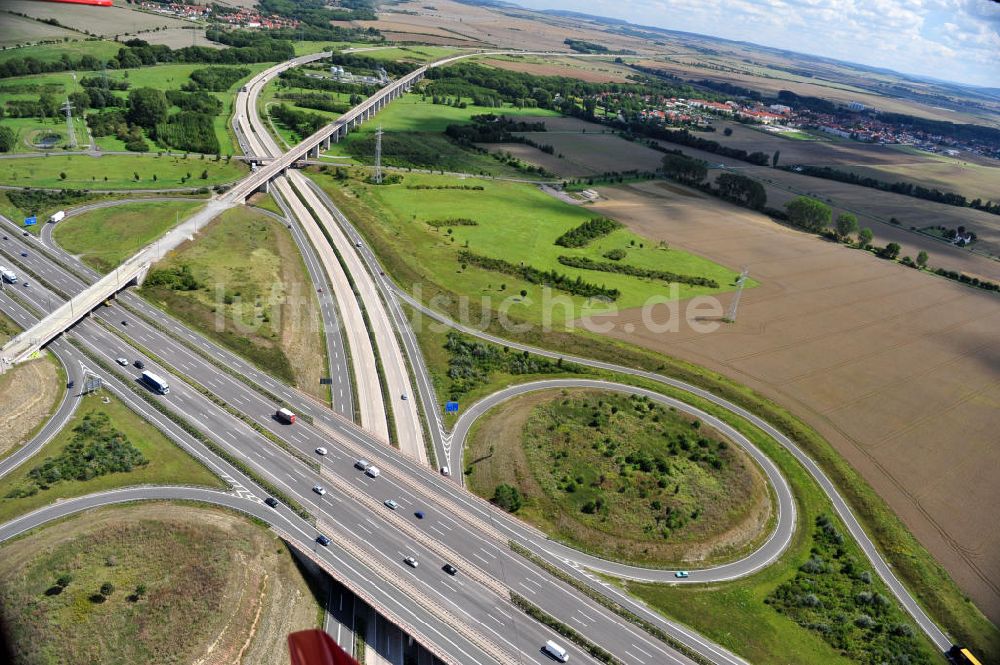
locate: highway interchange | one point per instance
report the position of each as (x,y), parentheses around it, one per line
(465,619)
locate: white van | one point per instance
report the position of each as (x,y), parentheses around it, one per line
(556,651)
(372,471)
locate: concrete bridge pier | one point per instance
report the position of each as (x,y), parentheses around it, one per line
(314,152)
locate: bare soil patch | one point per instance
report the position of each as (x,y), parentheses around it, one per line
(590,70)
(218,586)
(899,370)
(180,37)
(28,392)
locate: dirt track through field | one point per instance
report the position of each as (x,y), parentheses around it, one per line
(899,370)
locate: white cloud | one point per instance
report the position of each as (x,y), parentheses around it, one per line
(957,39)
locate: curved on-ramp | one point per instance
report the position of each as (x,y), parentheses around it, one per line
(776,543)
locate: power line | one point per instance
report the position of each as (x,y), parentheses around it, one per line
(71,133)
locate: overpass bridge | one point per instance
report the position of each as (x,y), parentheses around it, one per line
(134,270)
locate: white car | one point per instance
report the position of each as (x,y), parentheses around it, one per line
(321,451)
(391,504)
(403,396)
(410,561)
(445,471)
(319,489)
(122,361)
(372,472)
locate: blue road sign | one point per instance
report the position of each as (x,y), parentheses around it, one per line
(30,221)
(451,407)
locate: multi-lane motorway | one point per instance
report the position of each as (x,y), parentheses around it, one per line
(468,618)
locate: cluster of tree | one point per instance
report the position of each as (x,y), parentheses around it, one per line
(450,222)
(293,78)
(688,170)
(178,278)
(808,213)
(584,234)
(686,138)
(471,363)
(551,278)
(302,123)
(966,279)
(96,449)
(215,79)
(188,130)
(35,200)
(114,122)
(464,188)
(469,80)
(585,263)
(508,498)
(490,128)
(196,102)
(315,101)
(355,63)
(796,101)
(320,12)
(741,190)
(616,254)
(8,138)
(904,188)
(581,46)
(838,598)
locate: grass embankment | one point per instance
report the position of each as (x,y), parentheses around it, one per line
(35,484)
(8,328)
(242,282)
(413,227)
(188,583)
(621,477)
(107,236)
(118,172)
(750,627)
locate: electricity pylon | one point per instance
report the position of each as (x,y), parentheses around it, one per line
(377,178)
(733,306)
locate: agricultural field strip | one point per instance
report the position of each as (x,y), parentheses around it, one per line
(936,635)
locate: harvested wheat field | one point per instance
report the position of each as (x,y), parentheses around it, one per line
(899,370)
(29,393)
(189,584)
(100,21)
(591,70)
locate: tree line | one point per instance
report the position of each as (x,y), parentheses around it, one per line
(534,275)
(584,234)
(900,187)
(585,263)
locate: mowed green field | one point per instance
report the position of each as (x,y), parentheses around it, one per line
(168,464)
(107,236)
(118,172)
(517,223)
(99,48)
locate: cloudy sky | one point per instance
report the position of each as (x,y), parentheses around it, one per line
(956,40)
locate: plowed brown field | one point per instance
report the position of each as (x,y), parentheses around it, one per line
(899,370)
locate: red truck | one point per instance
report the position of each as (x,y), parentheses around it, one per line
(285,416)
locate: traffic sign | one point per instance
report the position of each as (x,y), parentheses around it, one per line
(451,407)
(30,221)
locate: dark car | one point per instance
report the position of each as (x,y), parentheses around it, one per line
(70,384)
(322,540)
(271,501)
(140,365)
(24,253)
(450,569)
(419,514)
(124,322)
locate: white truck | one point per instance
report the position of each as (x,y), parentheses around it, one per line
(8,275)
(58,216)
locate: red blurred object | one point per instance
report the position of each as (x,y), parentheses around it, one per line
(96,3)
(314,647)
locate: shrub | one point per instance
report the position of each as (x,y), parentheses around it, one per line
(508,497)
